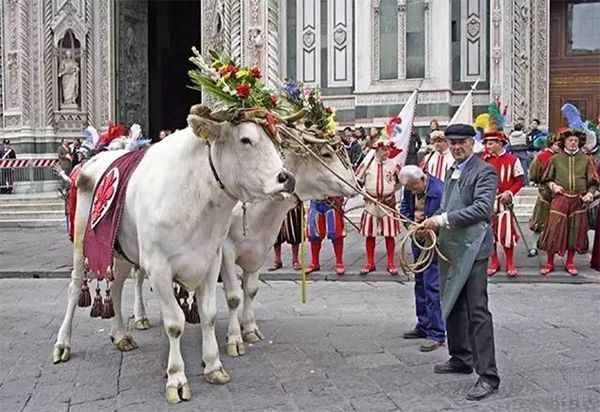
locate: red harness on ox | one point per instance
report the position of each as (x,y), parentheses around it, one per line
(105,216)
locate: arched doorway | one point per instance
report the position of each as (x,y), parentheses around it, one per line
(574,59)
(154,41)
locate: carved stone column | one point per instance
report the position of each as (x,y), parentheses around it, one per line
(519,57)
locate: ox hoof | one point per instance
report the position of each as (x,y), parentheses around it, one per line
(253,336)
(142,324)
(61,354)
(218,377)
(236,349)
(176,395)
(126,344)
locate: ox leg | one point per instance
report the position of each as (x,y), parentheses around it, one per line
(177,388)
(233,294)
(118,330)
(62,347)
(139,310)
(207,305)
(250,286)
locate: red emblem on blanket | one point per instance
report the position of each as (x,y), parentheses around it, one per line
(105,194)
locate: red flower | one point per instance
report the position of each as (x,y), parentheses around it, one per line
(328,111)
(272,125)
(255,72)
(243,90)
(229,69)
(273,99)
(104,195)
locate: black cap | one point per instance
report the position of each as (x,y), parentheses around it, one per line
(6,141)
(459,131)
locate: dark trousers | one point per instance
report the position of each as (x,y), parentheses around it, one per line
(470,329)
(427,301)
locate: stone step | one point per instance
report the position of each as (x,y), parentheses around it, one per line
(12,223)
(32,207)
(31,215)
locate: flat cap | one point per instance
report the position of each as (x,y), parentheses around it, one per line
(459,131)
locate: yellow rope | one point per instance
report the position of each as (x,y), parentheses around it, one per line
(303,255)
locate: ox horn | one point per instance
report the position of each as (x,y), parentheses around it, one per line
(309,138)
(200,110)
(295,116)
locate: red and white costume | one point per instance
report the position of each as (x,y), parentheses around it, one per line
(510,179)
(437,164)
(381,179)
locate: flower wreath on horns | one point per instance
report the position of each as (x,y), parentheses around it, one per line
(237,91)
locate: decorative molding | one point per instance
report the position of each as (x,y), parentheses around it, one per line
(49,87)
(236,33)
(401,39)
(89,60)
(520,56)
(428,39)
(273,55)
(540,60)
(473,42)
(481,97)
(375,43)
(339,43)
(70,121)
(308,41)
(255,13)
(104,60)
(340,102)
(25,59)
(496,41)
(565,80)
(2,94)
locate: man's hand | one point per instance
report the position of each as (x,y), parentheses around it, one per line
(587,198)
(431,223)
(57,169)
(557,189)
(506,198)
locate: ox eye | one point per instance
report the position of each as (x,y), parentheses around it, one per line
(327,155)
(246,140)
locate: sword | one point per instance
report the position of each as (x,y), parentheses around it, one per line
(514,217)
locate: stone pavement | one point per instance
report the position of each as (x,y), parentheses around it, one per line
(341,351)
(46,252)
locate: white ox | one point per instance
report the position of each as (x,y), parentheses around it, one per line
(264,219)
(174,222)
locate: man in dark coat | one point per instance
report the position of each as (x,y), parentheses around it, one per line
(465,237)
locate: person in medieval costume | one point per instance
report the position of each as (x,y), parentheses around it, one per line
(510,180)
(325,219)
(439,160)
(572,178)
(595,261)
(381,182)
(290,232)
(421,199)
(465,235)
(541,210)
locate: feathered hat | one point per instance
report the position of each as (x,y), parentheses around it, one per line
(565,132)
(495,135)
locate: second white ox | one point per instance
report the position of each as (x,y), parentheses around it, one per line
(264,219)
(174,222)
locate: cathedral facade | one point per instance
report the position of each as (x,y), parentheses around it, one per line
(65,64)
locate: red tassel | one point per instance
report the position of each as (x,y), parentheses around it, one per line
(193,314)
(97,307)
(108,311)
(85,299)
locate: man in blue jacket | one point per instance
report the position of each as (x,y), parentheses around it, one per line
(422,198)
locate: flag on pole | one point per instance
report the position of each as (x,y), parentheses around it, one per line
(464,115)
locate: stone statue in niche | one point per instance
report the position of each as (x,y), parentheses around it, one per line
(68,73)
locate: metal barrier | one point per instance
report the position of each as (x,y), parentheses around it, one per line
(26,172)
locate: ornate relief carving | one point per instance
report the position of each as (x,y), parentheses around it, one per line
(308,43)
(12,64)
(540,40)
(48,50)
(104,41)
(237,39)
(274,72)
(520,56)
(375,44)
(473,42)
(24,58)
(402,39)
(89,61)
(428,37)
(132,63)
(497,53)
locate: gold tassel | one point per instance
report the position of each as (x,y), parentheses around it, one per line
(85,299)
(108,311)
(97,307)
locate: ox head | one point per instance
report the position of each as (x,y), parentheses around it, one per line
(320,165)
(245,159)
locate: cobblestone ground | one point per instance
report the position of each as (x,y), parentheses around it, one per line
(341,351)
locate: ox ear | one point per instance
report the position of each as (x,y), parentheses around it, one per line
(204,128)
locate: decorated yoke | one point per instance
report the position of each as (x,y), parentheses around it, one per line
(381,180)
(437,164)
(325,220)
(510,178)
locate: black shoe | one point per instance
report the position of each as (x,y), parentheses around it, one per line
(414,334)
(449,367)
(480,390)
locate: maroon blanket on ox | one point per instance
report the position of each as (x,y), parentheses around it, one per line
(107,207)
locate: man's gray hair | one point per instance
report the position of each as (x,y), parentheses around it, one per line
(410,173)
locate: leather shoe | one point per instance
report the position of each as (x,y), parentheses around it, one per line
(480,390)
(449,367)
(430,345)
(414,334)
